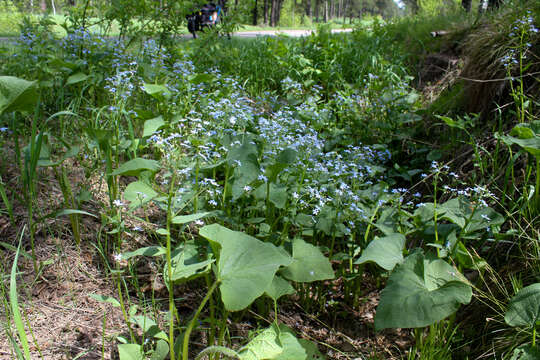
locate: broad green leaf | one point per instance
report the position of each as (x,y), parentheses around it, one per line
(157,91)
(184,219)
(292,348)
(139,193)
(279,287)
(145,251)
(201,78)
(135,166)
(385,252)
(76,78)
(162,231)
(246,265)
(186,264)
(278,195)
(312,351)
(308,265)
(524,307)
(526,136)
(421,291)
(130,352)
(161,351)
(526,352)
(153,125)
(456,210)
(104,298)
(266,345)
(229,353)
(17,94)
(149,327)
(287,156)
(483,218)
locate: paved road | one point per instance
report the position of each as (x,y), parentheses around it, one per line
(293,33)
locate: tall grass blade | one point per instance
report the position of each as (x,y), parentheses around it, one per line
(15,304)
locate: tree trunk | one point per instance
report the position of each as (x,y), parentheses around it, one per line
(317,6)
(494,4)
(325,11)
(43,6)
(53,7)
(255,13)
(265,11)
(307,6)
(466,5)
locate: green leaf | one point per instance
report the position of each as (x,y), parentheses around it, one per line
(313,352)
(279,287)
(145,251)
(246,265)
(135,166)
(153,125)
(149,327)
(266,345)
(526,352)
(201,78)
(104,298)
(186,264)
(157,91)
(287,156)
(385,252)
(161,351)
(76,78)
(421,291)
(217,350)
(278,195)
(292,348)
(17,94)
(184,219)
(524,307)
(308,265)
(139,193)
(130,352)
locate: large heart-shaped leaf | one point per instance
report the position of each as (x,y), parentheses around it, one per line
(526,136)
(139,193)
(526,352)
(266,345)
(246,265)
(385,252)
(308,265)
(186,263)
(279,287)
(184,219)
(135,166)
(524,307)
(149,327)
(153,125)
(16,94)
(421,291)
(145,251)
(130,352)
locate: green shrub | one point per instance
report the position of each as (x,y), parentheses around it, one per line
(10,18)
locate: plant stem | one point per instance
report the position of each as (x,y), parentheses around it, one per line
(185,346)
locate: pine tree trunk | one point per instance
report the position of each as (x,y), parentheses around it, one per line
(307,6)
(255,13)
(265,11)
